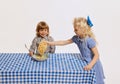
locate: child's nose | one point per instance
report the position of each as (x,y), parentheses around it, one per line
(44,31)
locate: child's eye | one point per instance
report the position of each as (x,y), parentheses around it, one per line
(46,30)
(41,29)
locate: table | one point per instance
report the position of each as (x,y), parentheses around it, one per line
(59,68)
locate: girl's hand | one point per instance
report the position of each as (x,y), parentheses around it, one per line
(88,67)
(49,43)
(31,53)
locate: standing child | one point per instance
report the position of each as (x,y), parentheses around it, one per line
(86,43)
(42,33)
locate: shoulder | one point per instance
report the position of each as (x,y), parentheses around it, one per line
(91,42)
(36,38)
(75,38)
(89,39)
(50,38)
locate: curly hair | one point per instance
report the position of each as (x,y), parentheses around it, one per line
(83,24)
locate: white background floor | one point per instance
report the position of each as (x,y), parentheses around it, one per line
(18,20)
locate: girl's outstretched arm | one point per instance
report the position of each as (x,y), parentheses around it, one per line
(60,43)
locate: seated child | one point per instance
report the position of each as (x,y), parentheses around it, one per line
(42,33)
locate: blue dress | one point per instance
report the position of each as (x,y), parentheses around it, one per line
(85,46)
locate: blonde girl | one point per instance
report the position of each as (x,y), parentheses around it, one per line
(85,40)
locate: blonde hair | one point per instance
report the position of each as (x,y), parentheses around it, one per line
(83,24)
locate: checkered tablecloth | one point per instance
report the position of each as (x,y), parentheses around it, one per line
(59,68)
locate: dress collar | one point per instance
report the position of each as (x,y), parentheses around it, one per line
(46,38)
(80,39)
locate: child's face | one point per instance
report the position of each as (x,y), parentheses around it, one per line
(78,29)
(43,32)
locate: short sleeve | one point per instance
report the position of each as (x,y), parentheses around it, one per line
(50,38)
(74,39)
(91,42)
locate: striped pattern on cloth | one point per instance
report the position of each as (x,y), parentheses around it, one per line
(59,68)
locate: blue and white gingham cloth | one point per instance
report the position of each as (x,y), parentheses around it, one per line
(59,68)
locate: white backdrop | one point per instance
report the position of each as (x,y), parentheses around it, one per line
(18,20)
